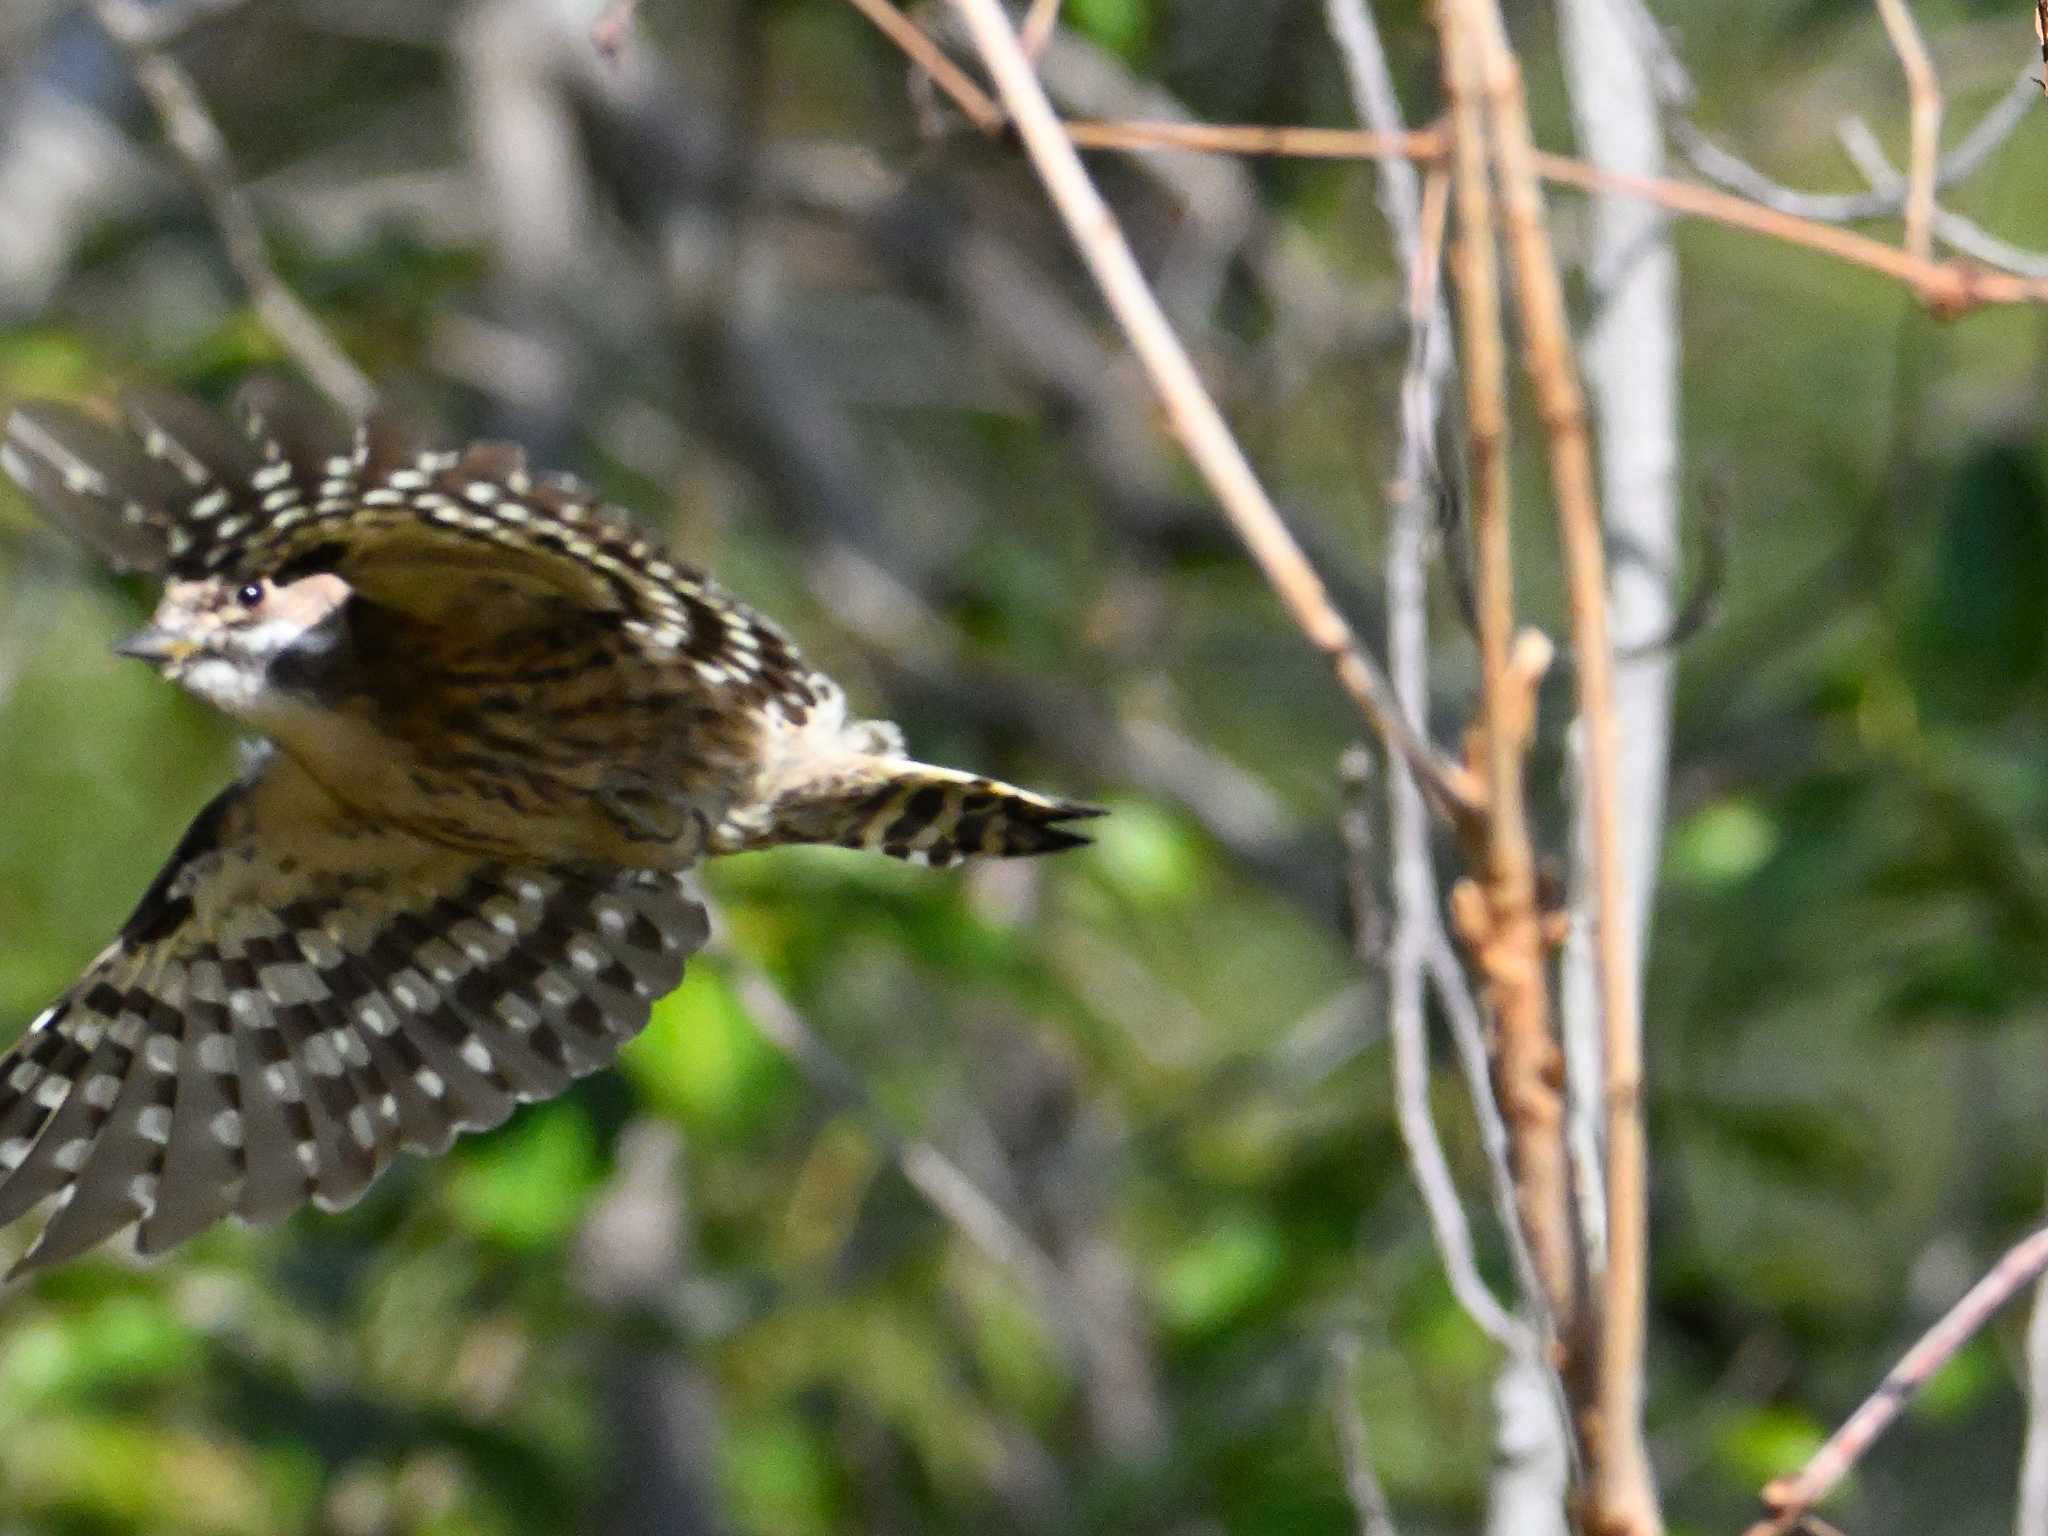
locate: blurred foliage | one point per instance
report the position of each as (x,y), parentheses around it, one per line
(700,1293)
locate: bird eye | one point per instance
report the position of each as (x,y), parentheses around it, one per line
(251,595)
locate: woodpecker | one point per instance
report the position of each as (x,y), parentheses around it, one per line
(499,723)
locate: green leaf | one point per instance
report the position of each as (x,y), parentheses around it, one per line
(1151,857)
(1122,26)
(1221,1274)
(701,1061)
(1722,844)
(125,1339)
(527,1186)
(778,1476)
(1759,1444)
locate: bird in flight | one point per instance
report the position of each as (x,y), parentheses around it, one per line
(499,722)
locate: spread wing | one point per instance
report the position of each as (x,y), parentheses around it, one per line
(465,536)
(299,997)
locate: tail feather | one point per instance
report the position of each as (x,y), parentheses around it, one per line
(913,811)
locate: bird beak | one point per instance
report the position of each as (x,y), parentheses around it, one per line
(156,646)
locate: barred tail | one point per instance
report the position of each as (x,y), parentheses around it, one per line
(913,811)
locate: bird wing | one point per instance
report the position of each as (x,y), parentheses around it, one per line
(300,996)
(468,536)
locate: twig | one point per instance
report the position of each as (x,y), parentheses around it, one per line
(2030,1516)
(1416,214)
(1496,915)
(1951,228)
(196,138)
(1629,354)
(1619,1492)
(1923,92)
(613,27)
(1532,1453)
(1419,227)
(1191,413)
(1405,1028)
(1949,288)
(1675,88)
(1368,1498)
(1259,139)
(1790,1498)
(1039,21)
(974,103)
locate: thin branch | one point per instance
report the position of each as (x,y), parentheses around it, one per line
(974,103)
(613,28)
(2041,35)
(1619,1491)
(1790,1498)
(1949,288)
(1532,1453)
(2030,1517)
(196,139)
(1039,22)
(1951,228)
(1923,93)
(1999,122)
(1417,216)
(1191,413)
(1406,1032)
(1368,1498)
(1259,139)
(1496,916)
(1716,163)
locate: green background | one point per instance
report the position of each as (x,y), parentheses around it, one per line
(1156,1056)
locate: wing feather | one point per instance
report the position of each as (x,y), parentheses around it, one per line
(440,535)
(270,1031)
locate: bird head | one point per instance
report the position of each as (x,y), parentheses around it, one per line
(240,644)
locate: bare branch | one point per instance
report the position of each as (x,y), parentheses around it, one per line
(1949,288)
(1496,914)
(974,103)
(1406,1031)
(1924,98)
(613,28)
(1368,1498)
(1417,216)
(1258,139)
(1631,360)
(1951,228)
(1532,1456)
(1790,1498)
(1193,416)
(1675,88)
(2030,1518)
(1619,1492)
(2041,34)
(189,128)
(1039,22)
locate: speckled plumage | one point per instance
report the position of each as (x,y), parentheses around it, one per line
(504,723)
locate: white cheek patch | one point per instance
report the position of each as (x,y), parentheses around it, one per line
(227,685)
